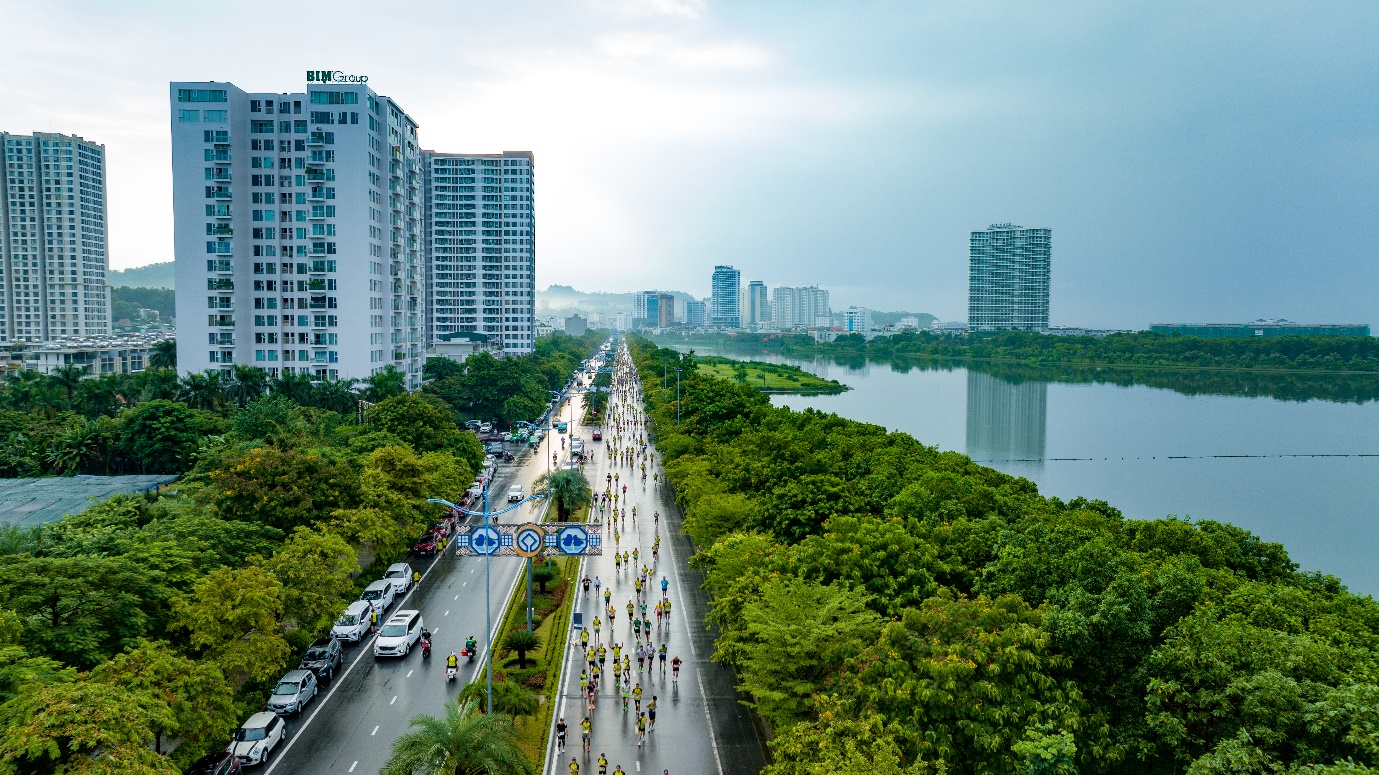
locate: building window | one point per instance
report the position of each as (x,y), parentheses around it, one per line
(188,116)
(201,95)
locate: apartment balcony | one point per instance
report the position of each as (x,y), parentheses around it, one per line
(220,284)
(221,230)
(223,194)
(316,138)
(221,177)
(316,194)
(222,212)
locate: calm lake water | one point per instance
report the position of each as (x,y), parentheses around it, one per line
(1149,449)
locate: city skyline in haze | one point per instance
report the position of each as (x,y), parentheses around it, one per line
(1197,163)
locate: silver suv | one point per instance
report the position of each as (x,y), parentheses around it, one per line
(293,692)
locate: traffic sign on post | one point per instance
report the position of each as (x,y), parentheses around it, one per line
(572,540)
(484,540)
(528,541)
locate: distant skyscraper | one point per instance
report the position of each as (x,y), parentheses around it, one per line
(758,308)
(298,221)
(53,249)
(639,304)
(665,311)
(696,315)
(478,243)
(725,305)
(1008,282)
(799,307)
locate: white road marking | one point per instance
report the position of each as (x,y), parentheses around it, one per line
(409,673)
(352,766)
(374,732)
(447,613)
(393,700)
(457,597)
(463,585)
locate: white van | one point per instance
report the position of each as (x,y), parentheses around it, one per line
(397,636)
(380,594)
(353,624)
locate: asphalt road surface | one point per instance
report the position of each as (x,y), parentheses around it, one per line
(701,727)
(350,727)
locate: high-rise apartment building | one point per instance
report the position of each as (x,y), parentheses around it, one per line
(665,311)
(1008,280)
(725,304)
(480,246)
(297,230)
(640,304)
(799,307)
(54,251)
(757,308)
(696,314)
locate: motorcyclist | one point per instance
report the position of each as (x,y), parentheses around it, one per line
(470,645)
(452,661)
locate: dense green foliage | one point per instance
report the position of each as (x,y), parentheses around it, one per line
(149,622)
(1307,353)
(510,389)
(893,608)
(125,303)
(769,377)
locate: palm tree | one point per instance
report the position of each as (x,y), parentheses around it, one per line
(336,395)
(385,384)
(509,698)
(521,641)
(203,391)
(246,383)
(463,742)
(67,377)
(296,387)
(164,355)
(568,490)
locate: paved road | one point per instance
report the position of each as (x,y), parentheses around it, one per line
(701,727)
(351,727)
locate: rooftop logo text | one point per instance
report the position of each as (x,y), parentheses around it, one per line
(334,76)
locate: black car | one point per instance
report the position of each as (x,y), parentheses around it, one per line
(216,764)
(323,658)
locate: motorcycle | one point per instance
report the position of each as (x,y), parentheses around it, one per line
(507,457)
(450,673)
(425,648)
(470,652)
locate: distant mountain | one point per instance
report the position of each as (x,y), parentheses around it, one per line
(149,276)
(565,299)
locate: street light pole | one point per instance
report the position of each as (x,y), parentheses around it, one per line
(488,612)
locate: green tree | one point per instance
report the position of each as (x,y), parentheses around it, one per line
(203,391)
(201,701)
(67,378)
(568,490)
(246,383)
(544,574)
(423,426)
(162,436)
(84,726)
(80,610)
(233,618)
(164,355)
(522,641)
(441,368)
(462,742)
(275,419)
(797,634)
(282,488)
(838,744)
(388,383)
(315,568)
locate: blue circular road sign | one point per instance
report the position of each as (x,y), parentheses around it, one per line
(483,540)
(572,540)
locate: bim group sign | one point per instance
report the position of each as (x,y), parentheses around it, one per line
(334,76)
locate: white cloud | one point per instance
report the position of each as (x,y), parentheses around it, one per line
(731,55)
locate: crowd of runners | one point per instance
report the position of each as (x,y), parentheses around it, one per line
(625,651)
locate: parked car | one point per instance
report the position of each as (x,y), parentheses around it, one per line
(427,545)
(473,425)
(401,573)
(380,594)
(353,624)
(485,427)
(397,636)
(293,692)
(516,493)
(324,657)
(254,741)
(222,763)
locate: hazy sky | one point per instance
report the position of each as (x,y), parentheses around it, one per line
(1196,161)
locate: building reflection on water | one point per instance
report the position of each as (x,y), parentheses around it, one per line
(1006,421)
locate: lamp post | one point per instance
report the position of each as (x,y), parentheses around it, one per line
(677,396)
(488,614)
